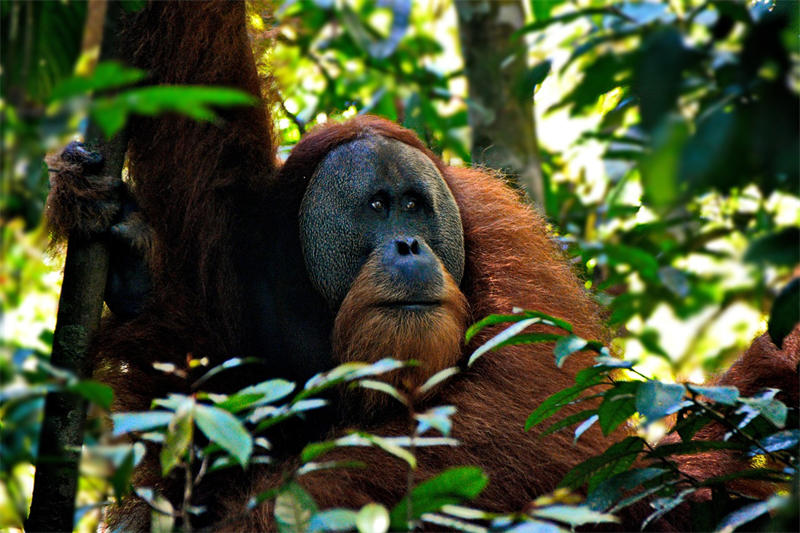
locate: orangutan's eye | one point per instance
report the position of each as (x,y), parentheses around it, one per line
(377,205)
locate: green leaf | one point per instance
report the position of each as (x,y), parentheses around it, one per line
(333,520)
(568,421)
(128,422)
(532,77)
(655,400)
(780,248)
(390,447)
(106,75)
(501,337)
(660,167)
(438,418)
(491,320)
(689,425)
(177,440)
(723,395)
(382,386)
(230,363)
(437,378)
(617,458)
(781,440)
(97,393)
(294,508)
(347,372)
(372,518)
(785,314)
(226,430)
(749,513)
(694,446)
(664,505)
(580,430)
(619,404)
(554,403)
(567,346)
(765,405)
(541,8)
(453,486)
(574,515)
(193,101)
(564,18)
(610,490)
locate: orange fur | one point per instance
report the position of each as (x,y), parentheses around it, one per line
(366,330)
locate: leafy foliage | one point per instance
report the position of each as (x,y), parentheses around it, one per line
(693,105)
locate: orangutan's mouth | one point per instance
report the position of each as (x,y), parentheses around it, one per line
(413,305)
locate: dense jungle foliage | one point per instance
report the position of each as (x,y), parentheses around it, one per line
(665,155)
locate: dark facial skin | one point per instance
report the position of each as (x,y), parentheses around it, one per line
(378,195)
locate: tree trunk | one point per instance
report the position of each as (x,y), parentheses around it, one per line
(502,119)
(80,306)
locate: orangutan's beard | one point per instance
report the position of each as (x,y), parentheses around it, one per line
(370,326)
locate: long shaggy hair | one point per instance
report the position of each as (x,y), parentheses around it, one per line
(367,330)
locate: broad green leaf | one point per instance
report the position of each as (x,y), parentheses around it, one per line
(778,248)
(766,405)
(510,336)
(566,346)
(689,425)
(333,520)
(226,430)
(97,393)
(196,102)
(106,75)
(694,446)
(655,400)
(554,403)
(452,486)
(781,440)
(128,422)
(610,490)
(723,395)
(785,314)
(541,9)
(177,440)
(619,404)
(532,77)
(519,316)
(294,508)
(372,518)
(576,515)
(568,421)
(750,512)
(617,458)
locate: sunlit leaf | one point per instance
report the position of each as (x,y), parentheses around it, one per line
(452,486)
(226,430)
